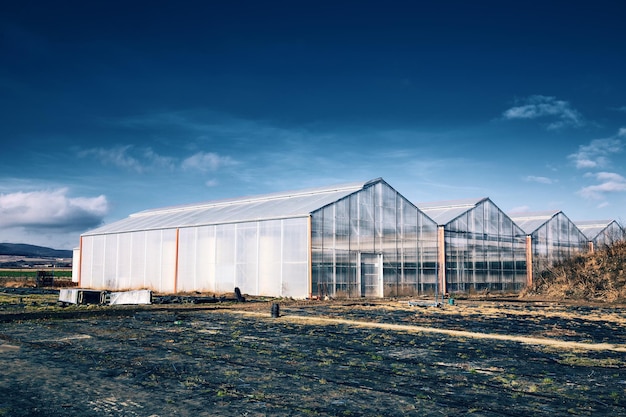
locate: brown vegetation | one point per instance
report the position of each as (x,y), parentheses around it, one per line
(597,276)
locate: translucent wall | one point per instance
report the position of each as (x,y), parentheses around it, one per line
(556,240)
(609,235)
(133,260)
(75,264)
(373,243)
(262,258)
(484,250)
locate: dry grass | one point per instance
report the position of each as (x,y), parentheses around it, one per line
(598,276)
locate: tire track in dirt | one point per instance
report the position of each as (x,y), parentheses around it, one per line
(454,333)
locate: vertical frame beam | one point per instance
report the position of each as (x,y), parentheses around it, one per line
(310,249)
(441,258)
(529,261)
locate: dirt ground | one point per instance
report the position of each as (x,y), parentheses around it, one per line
(318,358)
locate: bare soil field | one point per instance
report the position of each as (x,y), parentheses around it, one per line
(318,358)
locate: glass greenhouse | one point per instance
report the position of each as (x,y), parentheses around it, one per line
(373,243)
(552,236)
(480,246)
(360,239)
(600,233)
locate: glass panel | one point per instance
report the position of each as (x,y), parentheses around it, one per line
(479,255)
(370,275)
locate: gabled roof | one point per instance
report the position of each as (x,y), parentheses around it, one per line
(592,228)
(531,221)
(443,212)
(291,204)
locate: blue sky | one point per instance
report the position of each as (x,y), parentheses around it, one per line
(108,108)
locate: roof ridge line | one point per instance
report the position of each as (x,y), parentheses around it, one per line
(245,200)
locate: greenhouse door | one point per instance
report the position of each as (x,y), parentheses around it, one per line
(371,275)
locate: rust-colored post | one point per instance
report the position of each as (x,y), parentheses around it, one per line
(441,258)
(529,261)
(590,247)
(310,247)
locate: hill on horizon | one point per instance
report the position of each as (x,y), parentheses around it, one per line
(33,251)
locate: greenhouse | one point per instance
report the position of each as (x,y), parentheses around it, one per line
(479,245)
(600,233)
(359,239)
(551,236)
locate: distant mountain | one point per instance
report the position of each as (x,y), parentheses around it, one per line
(32,251)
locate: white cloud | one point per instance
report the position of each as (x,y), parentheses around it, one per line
(155,160)
(609,182)
(207,161)
(540,180)
(595,155)
(51,210)
(128,157)
(539,106)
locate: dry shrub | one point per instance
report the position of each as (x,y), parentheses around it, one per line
(10,282)
(598,276)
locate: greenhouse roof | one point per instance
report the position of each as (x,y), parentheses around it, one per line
(291,204)
(443,212)
(531,221)
(592,228)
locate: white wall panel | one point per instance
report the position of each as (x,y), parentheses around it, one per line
(124,257)
(247,257)
(295,259)
(75,265)
(168,261)
(225,241)
(270,253)
(110,262)
(138,261)
(187,259)
(205,259)
(295,282)
(97,276)
(86,264)
(261,258)
(152,277)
